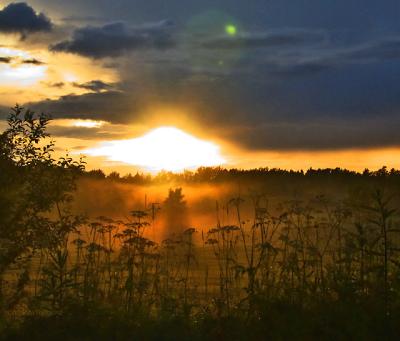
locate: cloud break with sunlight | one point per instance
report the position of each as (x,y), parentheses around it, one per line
(164,148)
(19,68)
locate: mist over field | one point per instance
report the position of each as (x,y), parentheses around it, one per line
(208,202)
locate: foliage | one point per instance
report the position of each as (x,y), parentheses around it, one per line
(33,185)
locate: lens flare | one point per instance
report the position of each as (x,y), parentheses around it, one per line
(231,30)
(209,26)
(164,148)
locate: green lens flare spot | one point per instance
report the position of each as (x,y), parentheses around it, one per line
(231,30)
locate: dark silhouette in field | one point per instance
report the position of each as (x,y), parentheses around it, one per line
(175,212)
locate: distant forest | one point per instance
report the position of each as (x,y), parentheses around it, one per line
(220,175)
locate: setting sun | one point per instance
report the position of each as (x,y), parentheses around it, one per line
(164,148)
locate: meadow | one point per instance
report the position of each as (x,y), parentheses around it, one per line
(219,254)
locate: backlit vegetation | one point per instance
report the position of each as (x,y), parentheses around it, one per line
(316,268)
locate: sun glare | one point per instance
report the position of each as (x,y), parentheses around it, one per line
(164,148)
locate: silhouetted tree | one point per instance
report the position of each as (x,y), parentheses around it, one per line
(175,211)
(32,184)
(96,174)
(114,176)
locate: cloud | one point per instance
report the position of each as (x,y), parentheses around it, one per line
(377,50)
(276,38)
(84,133)
(300,115)
(299,85)
(94,85)
(21,18)
(370,52)
(111,106)
(319,135)
(115,39)
(300,69)
(32,61)
(5,60)
(83,18)
(56,85)
(309,96)
(332,84)
(303,60)
(19,61)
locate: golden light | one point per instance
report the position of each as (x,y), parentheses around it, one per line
(23,75)
(23,65)
(87,123)
(164,148)
(16,72)
(11,52)
(78,123)
(70,77)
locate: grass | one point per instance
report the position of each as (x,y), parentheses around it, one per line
(318,270)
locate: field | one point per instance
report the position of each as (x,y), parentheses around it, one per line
(223,254)
(212,253)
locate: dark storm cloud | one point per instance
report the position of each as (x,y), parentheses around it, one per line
(329,135)
(318,97)
(383,49)
(115,39)
(373,52)
(302,60)
(297,116)
(85,19)
(111,106)
(265,39)
(21,18)
(301,69)
(94,85)
(282,133)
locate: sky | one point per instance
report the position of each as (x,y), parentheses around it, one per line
(272,83)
